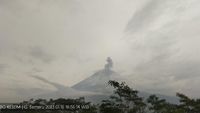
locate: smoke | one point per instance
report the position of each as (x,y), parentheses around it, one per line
(109,64)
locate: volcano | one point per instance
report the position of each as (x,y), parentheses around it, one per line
(95,88)
(98,82)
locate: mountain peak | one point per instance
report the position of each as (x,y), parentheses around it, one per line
(98,81)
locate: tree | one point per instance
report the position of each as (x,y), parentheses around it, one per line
(124,100)
(188,105)
(61,101)
(157,105)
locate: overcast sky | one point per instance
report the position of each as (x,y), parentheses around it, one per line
(153,43)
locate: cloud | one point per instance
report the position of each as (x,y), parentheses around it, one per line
(2,68)
(163,36)
(143,17)
(58,86)
(65,41)
(156,14)
(36,70)
(39,53)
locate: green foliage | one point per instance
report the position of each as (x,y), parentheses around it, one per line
(188,105)
(124,100)
(60,101)
(160,105)
(108,106)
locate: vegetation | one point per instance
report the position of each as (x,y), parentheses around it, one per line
(123,100)
(54,106)
(126,100)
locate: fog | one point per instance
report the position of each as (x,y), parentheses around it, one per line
(153,43)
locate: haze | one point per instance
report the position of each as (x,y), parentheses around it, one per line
(153,43)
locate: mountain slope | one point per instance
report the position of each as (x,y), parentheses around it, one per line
(98,83)
(61,91)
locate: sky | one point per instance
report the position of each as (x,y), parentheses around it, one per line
(153,43)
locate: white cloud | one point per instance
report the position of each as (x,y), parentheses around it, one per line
(148,39)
